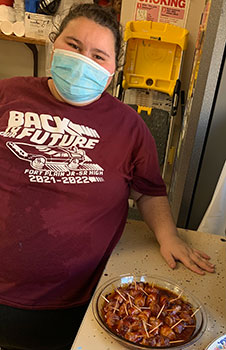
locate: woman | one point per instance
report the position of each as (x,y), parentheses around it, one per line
(71,155)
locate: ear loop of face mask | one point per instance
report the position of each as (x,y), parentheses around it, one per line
(48,58)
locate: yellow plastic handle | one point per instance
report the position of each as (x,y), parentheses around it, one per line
(143,108)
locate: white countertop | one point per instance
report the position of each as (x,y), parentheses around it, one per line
(138,253)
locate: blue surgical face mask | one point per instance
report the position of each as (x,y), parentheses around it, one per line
(77,78)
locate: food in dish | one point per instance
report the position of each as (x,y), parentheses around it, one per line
(149,315)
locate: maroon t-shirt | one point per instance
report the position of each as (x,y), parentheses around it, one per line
(65,179)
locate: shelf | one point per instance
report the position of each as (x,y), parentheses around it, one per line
(22,39)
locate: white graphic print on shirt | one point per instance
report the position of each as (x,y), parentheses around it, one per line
(57,151)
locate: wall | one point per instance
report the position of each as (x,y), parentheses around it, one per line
(16,59)
(213,159)
(187,164)
(193,20)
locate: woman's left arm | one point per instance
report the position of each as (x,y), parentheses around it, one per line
(157,215)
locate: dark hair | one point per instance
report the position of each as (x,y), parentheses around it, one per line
(105,16)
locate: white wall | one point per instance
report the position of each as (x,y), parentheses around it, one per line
(16,59)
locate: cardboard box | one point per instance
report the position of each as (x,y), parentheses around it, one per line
(37,26)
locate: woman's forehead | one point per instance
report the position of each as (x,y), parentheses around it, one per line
(88,31)
(84,24)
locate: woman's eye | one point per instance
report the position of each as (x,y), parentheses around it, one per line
(97,57)
(74,46)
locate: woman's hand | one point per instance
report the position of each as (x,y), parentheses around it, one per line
(174,249)
(156,213)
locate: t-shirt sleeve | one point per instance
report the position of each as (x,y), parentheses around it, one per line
(147,178)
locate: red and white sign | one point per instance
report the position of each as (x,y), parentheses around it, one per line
(166,11)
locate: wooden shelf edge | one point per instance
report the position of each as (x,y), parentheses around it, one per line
(23,39)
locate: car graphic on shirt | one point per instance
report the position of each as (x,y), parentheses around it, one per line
(52,157)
